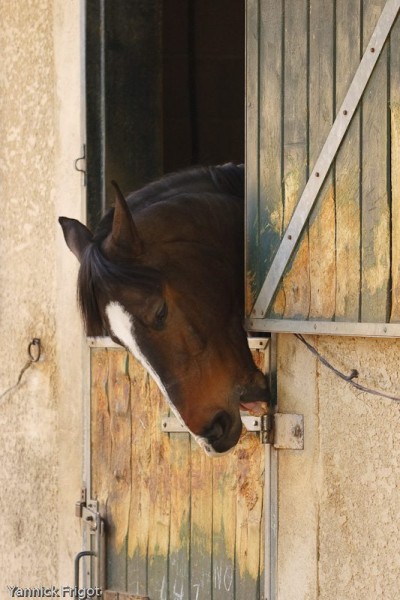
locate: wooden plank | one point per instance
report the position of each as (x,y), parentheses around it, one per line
(395,167)
(111,595)
(321,104)
(201,524)
(347,171)
(179,542)
(224,527)
(120,476)
(159,508)
(270,124)
(103,457)
(375,245)
(139,525)
(252,154)
(249,520)
(296,282)
(100,427)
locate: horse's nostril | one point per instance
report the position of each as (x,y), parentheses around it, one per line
(219,426)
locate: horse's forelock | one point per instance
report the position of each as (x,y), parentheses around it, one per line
(87,293)
(98,278)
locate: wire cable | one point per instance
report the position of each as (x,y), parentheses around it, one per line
(349,378)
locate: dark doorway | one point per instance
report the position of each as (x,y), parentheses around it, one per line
(203,82)
(165,89)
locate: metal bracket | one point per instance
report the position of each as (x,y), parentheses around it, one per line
(172,425)
(288,431)
(91,516)
(254,342)
(88,511)
(284,431)
(258,343)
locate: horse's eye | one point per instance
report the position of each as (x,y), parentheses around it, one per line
(161,316)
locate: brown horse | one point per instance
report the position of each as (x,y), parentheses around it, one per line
(163,275)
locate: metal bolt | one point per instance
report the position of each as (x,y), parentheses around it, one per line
(297,432)
(372,49)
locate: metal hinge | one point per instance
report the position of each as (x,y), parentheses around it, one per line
(80,164)
(282,430)
(288,431)
(88,512)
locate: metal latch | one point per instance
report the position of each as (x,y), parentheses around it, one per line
(88,511)
(284,431)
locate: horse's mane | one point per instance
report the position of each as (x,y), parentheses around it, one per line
(226,179)
(97,275)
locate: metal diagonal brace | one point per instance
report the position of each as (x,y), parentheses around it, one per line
(326,157)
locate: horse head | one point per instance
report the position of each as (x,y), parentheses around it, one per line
(157,284)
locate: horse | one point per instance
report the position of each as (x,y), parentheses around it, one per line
(163,275)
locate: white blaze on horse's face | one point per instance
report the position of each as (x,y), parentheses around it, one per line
(121,325)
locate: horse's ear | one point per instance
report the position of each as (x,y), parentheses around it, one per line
(124,235)
(77,236)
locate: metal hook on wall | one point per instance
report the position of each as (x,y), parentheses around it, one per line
(34,353)
(35,350)
(77,161)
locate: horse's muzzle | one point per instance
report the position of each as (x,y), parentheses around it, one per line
(255,397)
(223,432)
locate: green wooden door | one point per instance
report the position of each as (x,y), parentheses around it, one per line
(344,275)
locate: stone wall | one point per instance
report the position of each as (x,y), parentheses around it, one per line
(40,420)
(339,499)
